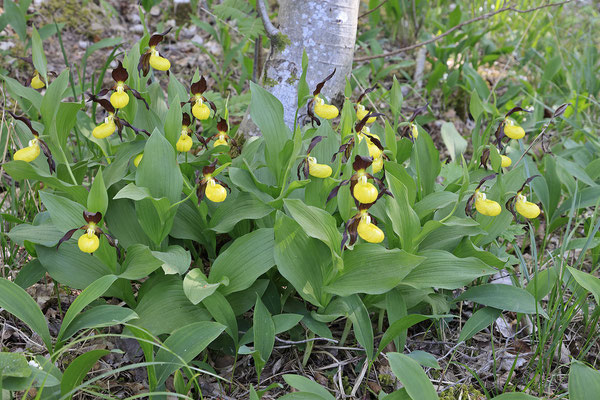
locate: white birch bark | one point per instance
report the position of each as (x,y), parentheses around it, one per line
(326,29)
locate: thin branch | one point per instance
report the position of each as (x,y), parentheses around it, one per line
(454,28)
(373,9)
(262,12)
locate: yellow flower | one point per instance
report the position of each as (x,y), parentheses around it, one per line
(318,170)
(36,82)
(361,112)
(200,110)
(374,151)
(323,110)
(414,131)
(29,153)
(184,144)
(485,206)
(526,208)
(157,62)
(222,140)
(377,164)
(368,231)
(107,128)
(513,131)
(138,159)
(119,98)
(365,192)
(506,161)
(215,191)
(89,242)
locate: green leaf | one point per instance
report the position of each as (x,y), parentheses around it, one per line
(302,260)
(30,273)
(396,98)
(317,223)
(77,370)
(303,89)
(244,261)
(267,113)
(425,359)
(443,270)
(173,122)
(475,106)
(139,262)
(183,345)
(14,364)
(21,170)
(98,199)
(426,158)
(587,281)
(405,221)
(65,213)
(385,269)
(514,396)
(220,309)
(414,379)
(306,385)
(263,329)
(164,307)
(584,382)
(45,234)
(16,18)
(453,140)
(51,102)
(37,52)
(70,266)
(503,297)
(159,171)
(354,309)
(176,260)
(245,206)
(66,118)
(99,317)
(480,320)
(446,235)
(17,302)
(196,286)
(89,294)
(401,325)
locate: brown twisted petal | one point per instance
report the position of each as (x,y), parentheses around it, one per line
(67,236)
(138,96)
(313,143)
(322,83)
(527,182)
(48,154)
(25,120)
(107,105)
(144,64)
(514,110)
(367,91)
(351,230)
(311,114)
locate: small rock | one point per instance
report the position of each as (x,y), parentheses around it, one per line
(197,39)
(155,11)
(137,28)
(96,27)
(83,44)
(4,46)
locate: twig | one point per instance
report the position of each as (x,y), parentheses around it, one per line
(454,28)
(305,340)
(373,9)
(262,12)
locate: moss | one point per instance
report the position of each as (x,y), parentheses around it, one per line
(292,79)
(462,392)
(280,41)
(386,379)
(87,20)
(269,82)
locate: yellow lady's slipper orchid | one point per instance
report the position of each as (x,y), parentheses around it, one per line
(374,151)
(36,82)
(362,112)
(184,144)
(105,129)
(119,98)
(157,62)
(318,170)
(89,242)
(414,131)
(222,140)
(377,164)
(513,131)
(327,111)
(368,231)
(365,192)
(526,208)
(506,161)
(29,153)
(138,159)
(485,206)
(200,110)
(215,191)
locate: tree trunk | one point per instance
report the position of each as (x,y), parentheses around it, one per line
(326,29)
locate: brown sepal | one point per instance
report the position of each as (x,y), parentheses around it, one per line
(485,157)
(92,217)
(210,168)
(144,64)
(514,110)
(120,74)
(199,87)
(222,125)
(351,231)
(107,105)
(185,119)
(311,114)
(157,38)
(363,94)
(361,162)
(322,83)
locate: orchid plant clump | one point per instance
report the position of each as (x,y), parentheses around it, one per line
(373,222)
